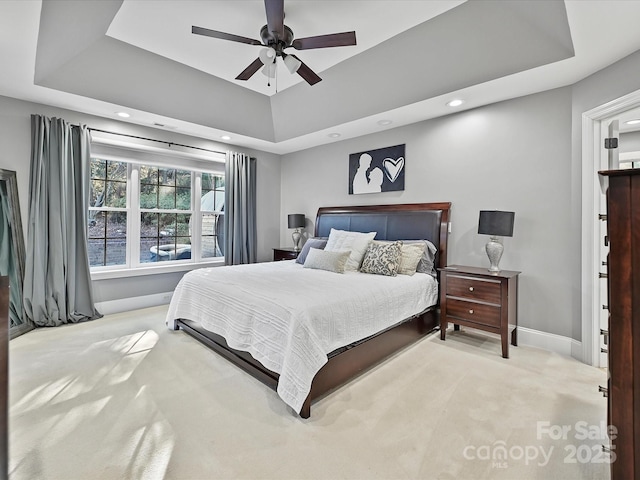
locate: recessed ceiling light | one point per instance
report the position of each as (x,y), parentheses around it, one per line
(633,122)
(334,135)
(384,122)
(225,137)
(123,114)
(455,103)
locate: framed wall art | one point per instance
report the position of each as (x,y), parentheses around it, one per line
(375,171)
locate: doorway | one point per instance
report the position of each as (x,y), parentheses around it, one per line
(595,128)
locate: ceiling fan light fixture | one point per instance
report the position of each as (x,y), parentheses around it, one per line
(292,63)
(267,55)
(269,70)
(275,36)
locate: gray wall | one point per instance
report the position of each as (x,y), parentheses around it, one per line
(15,138)
(513,155)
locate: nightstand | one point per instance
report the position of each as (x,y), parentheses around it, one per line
(285,253)
(477,298)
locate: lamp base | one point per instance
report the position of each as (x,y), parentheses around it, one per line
(296,239)
(494,251)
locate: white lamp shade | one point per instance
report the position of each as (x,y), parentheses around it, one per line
(292,63)
(269,70)
(267,55)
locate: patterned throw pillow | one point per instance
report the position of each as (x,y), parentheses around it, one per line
(324,260)
(410,256)
(382,258)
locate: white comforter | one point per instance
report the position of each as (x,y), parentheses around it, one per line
(289,317)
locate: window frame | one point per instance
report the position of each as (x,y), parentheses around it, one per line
(167,160)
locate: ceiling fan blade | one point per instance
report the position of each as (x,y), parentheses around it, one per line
(275,17)
(224,36)
(248,72)
(305,72)
(343,39)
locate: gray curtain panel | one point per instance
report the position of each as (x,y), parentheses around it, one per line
(240,209)
(57,284)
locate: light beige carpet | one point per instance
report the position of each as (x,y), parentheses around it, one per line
(125,398)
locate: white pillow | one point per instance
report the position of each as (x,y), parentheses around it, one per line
(341,240)
(410,256)
(323,260)
(427,263)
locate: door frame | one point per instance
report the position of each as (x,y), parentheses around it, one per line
(592,158)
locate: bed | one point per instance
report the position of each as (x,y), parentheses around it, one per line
(304,332)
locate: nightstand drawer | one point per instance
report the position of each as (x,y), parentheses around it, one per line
(284,254)
(474,288)
(473,312)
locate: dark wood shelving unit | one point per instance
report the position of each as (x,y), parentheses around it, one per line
(623,389)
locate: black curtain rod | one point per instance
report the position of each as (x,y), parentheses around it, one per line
(154,140)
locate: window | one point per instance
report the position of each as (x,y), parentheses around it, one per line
(212,216)
(165,214)
(142,214)
(107,219)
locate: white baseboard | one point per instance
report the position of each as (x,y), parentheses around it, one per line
(133,303)
(576,350)
(550,341)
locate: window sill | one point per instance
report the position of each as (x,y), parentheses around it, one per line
(153,270)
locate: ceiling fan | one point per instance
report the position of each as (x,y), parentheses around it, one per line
(277,37)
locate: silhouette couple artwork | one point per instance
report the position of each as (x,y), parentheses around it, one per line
(374,176)
(367,181)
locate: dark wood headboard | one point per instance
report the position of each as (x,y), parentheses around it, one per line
(405,221)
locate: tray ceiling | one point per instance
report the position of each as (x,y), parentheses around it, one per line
(100,57)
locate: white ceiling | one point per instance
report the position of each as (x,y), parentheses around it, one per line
(601,33)
(164,27)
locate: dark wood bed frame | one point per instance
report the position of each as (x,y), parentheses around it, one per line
(392,222)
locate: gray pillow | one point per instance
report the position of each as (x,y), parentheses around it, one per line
(427,262)
(314,242)
(325,260)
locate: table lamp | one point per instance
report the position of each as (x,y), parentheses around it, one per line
(496,224)
(296,221)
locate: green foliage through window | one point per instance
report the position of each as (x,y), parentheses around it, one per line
(165,210)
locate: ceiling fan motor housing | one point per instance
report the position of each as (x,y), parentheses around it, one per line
(278,44)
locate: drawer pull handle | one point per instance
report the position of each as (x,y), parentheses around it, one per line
(471,312)
(603,275)
(471,289)
(604,391)
(604,350)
